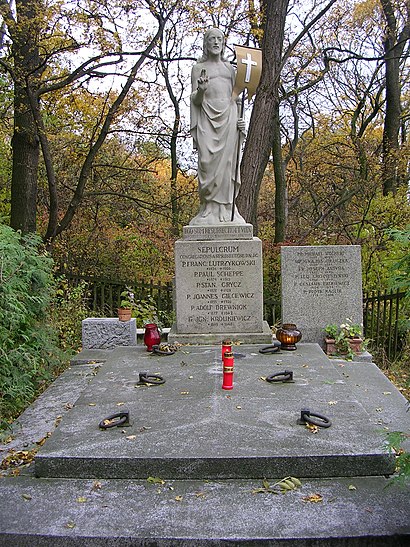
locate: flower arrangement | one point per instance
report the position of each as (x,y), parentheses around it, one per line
(345,339)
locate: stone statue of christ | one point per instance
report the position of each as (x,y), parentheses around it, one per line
(217,131)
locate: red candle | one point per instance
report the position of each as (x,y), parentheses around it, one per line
(227,382)
(226,346)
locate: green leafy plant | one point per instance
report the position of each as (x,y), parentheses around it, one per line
(67,310)
(342,335)
(394,441)
(331,331)
(29,354)
(144,311)
(127,299)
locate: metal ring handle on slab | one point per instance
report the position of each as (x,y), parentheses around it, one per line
(156,349)
(274,348)
(306,416)
(150,379)
(285,376)
(110,421)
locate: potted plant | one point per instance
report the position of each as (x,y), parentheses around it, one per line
(346,339)
(127,304)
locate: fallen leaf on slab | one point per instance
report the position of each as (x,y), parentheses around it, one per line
(313,498)
(155,480)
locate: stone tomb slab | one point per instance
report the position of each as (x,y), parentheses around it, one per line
(189,428)
(321,285)
(219,286)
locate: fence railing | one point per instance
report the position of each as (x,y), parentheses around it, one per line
(381,310)
(104,295)
(381,320)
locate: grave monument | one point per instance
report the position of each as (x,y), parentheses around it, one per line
(218,262)
(321,285)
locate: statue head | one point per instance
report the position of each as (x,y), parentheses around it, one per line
(209,33)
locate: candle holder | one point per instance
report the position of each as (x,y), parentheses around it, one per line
(288,335)
(152,336)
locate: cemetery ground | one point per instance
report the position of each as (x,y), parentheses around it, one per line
(198,465)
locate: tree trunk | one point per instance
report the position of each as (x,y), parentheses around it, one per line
(280,180)
(25,142)
(259,142)
(393,44)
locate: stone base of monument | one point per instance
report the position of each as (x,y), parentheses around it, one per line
(193,465)
(263,337)
(219,286)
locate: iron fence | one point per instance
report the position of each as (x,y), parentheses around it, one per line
(382,314)
(382,320)
(104,296)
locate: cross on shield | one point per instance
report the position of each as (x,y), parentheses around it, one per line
(248,71)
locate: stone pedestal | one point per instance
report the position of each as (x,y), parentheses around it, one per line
(218,286)
(108,332)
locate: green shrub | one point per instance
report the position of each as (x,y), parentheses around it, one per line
(29,355)
(68,308)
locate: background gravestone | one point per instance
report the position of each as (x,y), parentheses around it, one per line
(321,285)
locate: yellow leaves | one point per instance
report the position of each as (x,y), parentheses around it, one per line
(155,480)
(43,440)
(178,498)
(18,459)
(312,428)
(285,485)
(364,13)
(81,499)
(313,498)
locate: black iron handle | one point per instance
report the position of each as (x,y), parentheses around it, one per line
(274,348)
(285,376)
(158,351)
(306,416)
(110,421)
(150,379)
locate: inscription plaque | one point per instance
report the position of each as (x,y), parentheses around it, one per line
(321,285)
(219,286)
(218,232)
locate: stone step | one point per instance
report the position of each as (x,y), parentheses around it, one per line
(189,428)
(361,511)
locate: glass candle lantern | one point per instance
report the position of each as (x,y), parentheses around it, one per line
(288,335)
(152,336)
